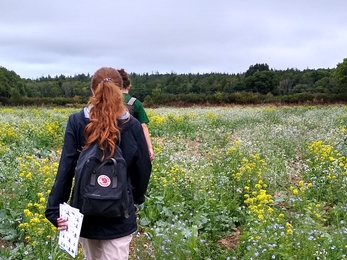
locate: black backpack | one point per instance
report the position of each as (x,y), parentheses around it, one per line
(101,187)
(130,105)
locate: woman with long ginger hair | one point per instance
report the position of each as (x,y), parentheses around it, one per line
(104,120)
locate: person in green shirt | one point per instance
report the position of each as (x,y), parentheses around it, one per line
(138,111)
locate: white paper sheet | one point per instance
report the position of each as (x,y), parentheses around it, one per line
(68,239)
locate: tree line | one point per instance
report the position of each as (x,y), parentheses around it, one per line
(259,84)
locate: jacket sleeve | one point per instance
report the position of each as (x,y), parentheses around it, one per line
(140,170)
(61,189)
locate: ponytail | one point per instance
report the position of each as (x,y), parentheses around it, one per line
(106,106)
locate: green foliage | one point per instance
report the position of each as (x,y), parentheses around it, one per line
(29,167)
(184,89)
(10,80)
(298,98)
(262,82)
(256,68)
(246,98)
(10,219)
(275,174)
(340,75)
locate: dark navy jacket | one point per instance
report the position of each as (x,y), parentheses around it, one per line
(135,153)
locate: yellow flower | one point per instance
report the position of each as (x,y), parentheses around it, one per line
(21,225)
(28,213)
(34,220)
(249,201)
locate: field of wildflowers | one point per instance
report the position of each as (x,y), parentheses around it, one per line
(227,183)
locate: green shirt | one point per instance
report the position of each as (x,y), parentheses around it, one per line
(139,111)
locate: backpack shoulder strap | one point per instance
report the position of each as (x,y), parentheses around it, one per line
(119,139)
(131,101)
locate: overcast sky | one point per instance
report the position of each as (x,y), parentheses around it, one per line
(184,36)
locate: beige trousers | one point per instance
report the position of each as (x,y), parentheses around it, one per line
(112,249)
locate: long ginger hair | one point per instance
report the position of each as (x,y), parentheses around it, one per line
(106,106)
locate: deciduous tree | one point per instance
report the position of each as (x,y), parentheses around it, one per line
(340,75)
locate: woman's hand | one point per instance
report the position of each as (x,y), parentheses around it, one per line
(151,154)
(62,224)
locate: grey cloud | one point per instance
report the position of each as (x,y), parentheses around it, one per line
(69,37)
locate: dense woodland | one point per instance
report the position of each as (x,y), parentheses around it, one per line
(259,84)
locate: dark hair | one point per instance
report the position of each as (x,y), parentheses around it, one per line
(125,78)
(106,106)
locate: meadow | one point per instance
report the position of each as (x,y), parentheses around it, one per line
(259,182)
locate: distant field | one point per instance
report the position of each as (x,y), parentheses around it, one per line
(260,182)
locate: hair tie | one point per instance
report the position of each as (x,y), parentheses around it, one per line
(107,80)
